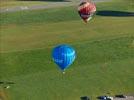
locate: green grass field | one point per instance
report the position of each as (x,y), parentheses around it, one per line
(17,3)
(104,46)
(7,4)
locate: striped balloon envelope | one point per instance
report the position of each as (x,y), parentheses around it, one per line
(86,10)
(63,56)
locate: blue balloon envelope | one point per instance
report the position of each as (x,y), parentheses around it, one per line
(63,56)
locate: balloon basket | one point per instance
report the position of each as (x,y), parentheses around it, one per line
(63,72)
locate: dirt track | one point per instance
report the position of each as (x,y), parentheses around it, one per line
(3,95)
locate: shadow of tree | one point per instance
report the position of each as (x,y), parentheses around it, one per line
(115,13)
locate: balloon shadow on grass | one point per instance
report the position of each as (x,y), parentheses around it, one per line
(115,13)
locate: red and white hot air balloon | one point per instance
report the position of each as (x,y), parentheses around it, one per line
(86,10)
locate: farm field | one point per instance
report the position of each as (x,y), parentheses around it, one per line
(105,52)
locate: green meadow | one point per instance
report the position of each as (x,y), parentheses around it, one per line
(104,47)
(5,4)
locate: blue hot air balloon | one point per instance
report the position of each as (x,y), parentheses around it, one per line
(63,56)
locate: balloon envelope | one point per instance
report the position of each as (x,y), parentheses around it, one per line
(86,10)
(63,56)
